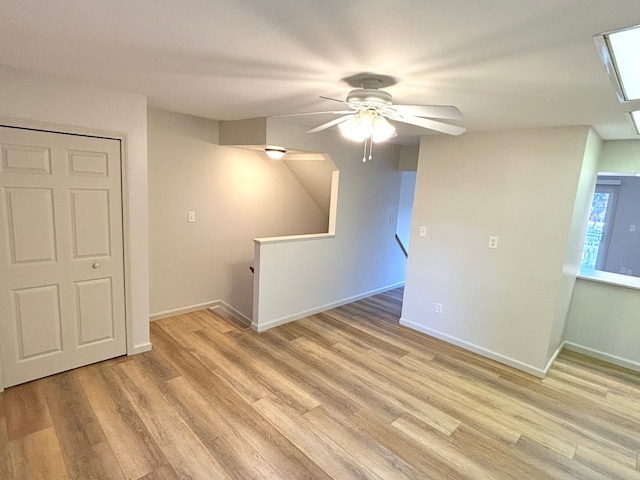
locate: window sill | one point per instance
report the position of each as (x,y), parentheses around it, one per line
(616,279)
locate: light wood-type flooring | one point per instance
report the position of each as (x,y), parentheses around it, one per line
(345,394)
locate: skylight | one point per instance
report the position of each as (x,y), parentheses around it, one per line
(625,49)
(620,53)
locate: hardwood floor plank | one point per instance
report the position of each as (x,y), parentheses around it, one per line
(214,320)
(38,456)
(162,473)
(368,452)
(263,437)
(278,355)
(552,464)
(331,457)
(250,387)
(347,393)
(134,449)
(83,442)
(26,410)
(186,452)
(428,462)
(237,457)
(601,463)
(271,379)
(376,389)
(6,468)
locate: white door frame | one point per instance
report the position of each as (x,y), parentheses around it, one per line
(124,175)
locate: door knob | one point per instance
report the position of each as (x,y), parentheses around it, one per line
(96,265)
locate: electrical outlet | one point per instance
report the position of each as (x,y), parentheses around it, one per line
(493,242)
(623,270)
(632,228)
(191,218)
(390,218)
(438,308)
(423,231)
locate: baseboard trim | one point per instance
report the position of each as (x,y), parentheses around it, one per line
(180,311)
(141,348)
(554,356)
(607,357)
(511,362)
(312,311)
(220,307)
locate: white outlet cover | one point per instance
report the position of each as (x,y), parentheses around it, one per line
(423,231)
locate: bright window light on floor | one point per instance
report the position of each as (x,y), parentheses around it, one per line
(625,47)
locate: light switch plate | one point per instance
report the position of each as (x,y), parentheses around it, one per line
(191,218)
(423,231)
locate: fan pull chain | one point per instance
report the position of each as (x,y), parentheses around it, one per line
(364,154)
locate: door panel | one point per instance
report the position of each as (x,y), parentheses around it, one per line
(90,221)
(38,320)
(30,223)
(94,312)
(61,253)
(26,159)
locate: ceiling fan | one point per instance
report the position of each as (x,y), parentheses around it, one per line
(369,105)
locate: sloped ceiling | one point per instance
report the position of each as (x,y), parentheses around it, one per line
(506,64)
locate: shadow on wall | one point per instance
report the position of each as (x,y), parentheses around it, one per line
(240,283)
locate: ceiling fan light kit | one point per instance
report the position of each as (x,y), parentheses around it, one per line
(370,110)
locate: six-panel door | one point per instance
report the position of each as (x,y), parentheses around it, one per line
(61,253)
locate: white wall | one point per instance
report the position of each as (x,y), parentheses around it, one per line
(36,98)
(575,241)
(237,195)
(520,186)
(297,278)
(604,322)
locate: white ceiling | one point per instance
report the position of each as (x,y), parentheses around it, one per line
(505,63)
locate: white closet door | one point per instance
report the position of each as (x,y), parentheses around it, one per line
(61,253)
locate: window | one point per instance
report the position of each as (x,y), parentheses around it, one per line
(612,242)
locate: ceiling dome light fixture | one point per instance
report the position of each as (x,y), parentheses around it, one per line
(275,153)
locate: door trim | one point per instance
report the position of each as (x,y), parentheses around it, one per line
(124,182)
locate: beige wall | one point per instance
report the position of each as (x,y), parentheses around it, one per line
(520,186)
(237,195)
(81,108)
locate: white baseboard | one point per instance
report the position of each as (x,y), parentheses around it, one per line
(554,356)
(312,311)
(140,348)
(607,357)
(182,310)
(498,357)
(225,308)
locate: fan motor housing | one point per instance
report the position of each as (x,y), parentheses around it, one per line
(365,97)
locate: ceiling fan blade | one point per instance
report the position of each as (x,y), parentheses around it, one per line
(327,112)
(433,125)
(333,122)
(333,99)
(448,112)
